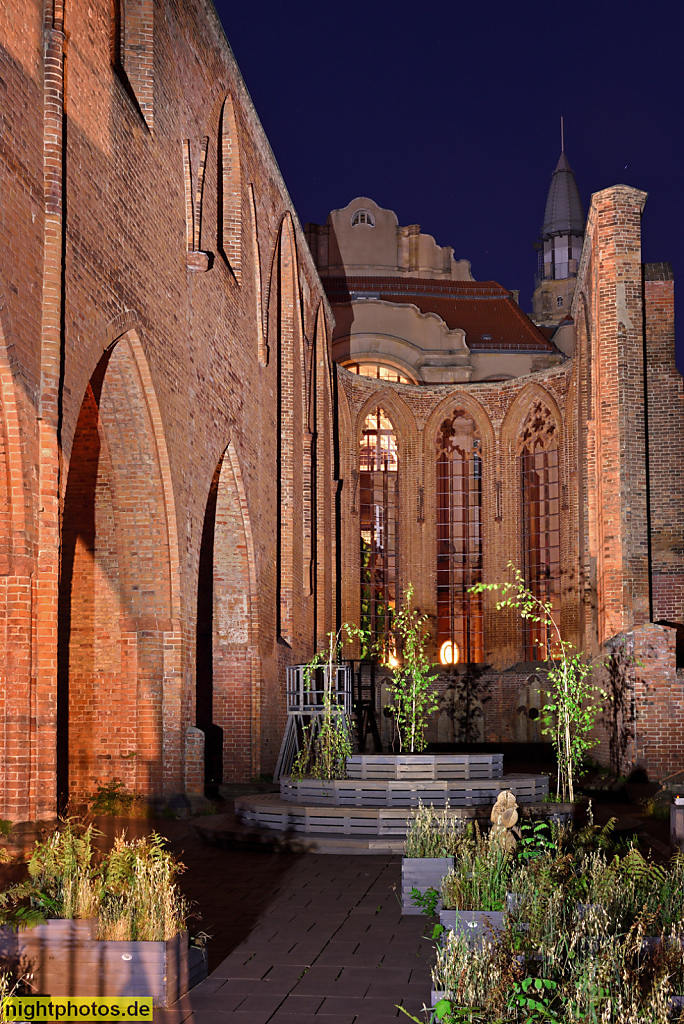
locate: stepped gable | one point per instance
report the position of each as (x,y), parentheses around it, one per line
(485,310)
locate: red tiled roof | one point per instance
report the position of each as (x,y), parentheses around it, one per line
(485,310)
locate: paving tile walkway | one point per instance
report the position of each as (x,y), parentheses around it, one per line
(302,939)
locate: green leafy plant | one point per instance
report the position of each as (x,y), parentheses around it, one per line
(534,994)
(427,900)
(112,797)
(413,694)
(571,707)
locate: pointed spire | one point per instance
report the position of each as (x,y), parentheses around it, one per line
(563,214)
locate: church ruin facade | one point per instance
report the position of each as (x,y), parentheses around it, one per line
(221,436)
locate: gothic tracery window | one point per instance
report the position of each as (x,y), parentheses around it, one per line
(538,467)
(378,512)
(459,535)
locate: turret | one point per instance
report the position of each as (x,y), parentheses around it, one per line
(559,247)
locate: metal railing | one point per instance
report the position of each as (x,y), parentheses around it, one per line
(306,688)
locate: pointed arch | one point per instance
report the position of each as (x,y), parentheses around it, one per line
(293,436)
(120,676)
(322,468)
(538,442)
(228,664)
(519,409)
(16,598)
(461,400)
(458,459)
(379,510)
(262,346)
(397,409)
(230,242)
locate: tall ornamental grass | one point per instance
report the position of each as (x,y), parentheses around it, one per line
(132,892)
(432,833)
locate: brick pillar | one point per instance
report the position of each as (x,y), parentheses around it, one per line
(659,726)
(610,284)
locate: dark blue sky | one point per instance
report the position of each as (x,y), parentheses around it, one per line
(448,113)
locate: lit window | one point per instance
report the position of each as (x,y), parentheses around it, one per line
(379,371)
(363,217)
(559,301)
(538,459)
(459,536)
(378,514)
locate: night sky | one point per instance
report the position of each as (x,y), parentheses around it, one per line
(448,113)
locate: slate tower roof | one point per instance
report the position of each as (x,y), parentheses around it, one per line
(563,214)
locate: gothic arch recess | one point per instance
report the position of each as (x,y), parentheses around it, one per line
(293,454)
(399,412)
(228,676)
(230,240)
(15,595)
(537,451)
(322,480)
(119,640)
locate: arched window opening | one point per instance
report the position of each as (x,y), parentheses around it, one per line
(379,504)
(378,371)
(363,217)
(559,301)
(538,467)
(459,536)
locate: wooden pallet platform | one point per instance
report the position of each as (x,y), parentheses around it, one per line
(424,767)
(411,792)
(270,811)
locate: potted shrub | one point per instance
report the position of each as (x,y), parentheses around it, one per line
(112,928)
(431,841)
(571,708)
(413,694)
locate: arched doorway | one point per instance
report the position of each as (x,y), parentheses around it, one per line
(228,695)
(118,638)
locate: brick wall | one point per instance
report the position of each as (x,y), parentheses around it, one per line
(122,448)
(666,452)
(629,393)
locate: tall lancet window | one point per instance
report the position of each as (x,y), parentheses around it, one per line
(538,467)
(459,536)
(378,512)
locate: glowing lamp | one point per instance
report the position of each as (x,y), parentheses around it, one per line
(393,661)
(449,653)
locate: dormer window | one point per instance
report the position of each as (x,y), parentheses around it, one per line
(363,217)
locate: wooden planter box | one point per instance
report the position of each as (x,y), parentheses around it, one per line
(67,960)
(425,767)
(421,873)
(406,792)
(476,926)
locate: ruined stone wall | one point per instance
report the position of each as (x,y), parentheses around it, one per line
(158,307)
(630,507)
